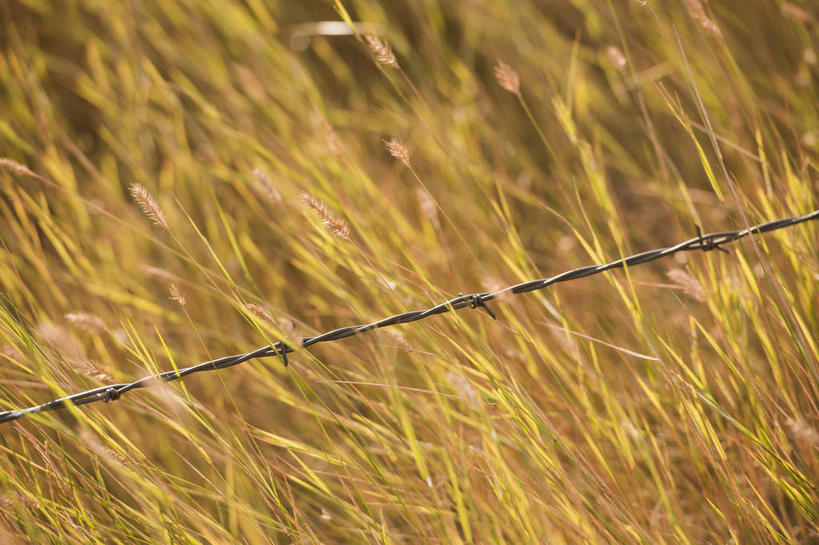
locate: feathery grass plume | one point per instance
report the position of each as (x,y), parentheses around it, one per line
(264,186)
(176,294)
(14,166)
(493,284)
(507,77)
(87,321)
(400,340)
(616,57)
(60,339)
(398,150)
(150,270)
(262,313)
(792,10)
(333,224)
(87,367)
(332,136)
(382,50)
(249,82)
(149,205)
(564,338)
(16,498)
(93,444)
(687,283)
(461,385)
(427,205)
(803,431)
(697,12)
(11,352)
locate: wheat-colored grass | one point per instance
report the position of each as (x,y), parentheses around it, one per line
(674,402)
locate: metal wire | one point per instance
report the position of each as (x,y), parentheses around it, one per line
(705,243)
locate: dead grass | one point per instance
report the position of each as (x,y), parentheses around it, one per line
(622,408)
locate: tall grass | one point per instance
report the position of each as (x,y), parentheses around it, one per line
(305,189)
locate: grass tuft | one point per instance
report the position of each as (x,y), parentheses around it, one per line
(674,402)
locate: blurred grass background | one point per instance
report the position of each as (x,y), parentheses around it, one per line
(672,403)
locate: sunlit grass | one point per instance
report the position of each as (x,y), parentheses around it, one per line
(184,180)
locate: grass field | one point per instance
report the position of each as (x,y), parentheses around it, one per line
(186,179)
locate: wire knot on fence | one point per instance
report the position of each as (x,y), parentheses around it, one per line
(705,243)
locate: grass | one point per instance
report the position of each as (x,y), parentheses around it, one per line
(303,189)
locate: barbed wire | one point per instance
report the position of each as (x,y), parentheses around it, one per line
(705,243)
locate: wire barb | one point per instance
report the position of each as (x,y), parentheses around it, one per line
(281,350)
(710,243)
(701,242)
(479,301)
(111,394)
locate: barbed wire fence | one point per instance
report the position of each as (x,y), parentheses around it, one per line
(702,242)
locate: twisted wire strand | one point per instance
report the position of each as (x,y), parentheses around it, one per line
(705,243)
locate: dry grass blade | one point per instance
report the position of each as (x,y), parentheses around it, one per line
(405,414)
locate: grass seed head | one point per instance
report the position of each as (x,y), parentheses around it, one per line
(507,77)
(14,166)
(461,385)
(616,57)
(177,295)
(803,431)
(382,51)
(333,141)
(150,270)
(88,368)
(688,283)
(87,321)
(398,150)
(697,12)
(265,187)
(60,339)
(399,339)
(149,205)
(335,225)
(261,312)
(429,209)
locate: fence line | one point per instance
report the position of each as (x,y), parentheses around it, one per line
(705,243)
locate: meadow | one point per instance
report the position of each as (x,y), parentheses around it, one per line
(182,180)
